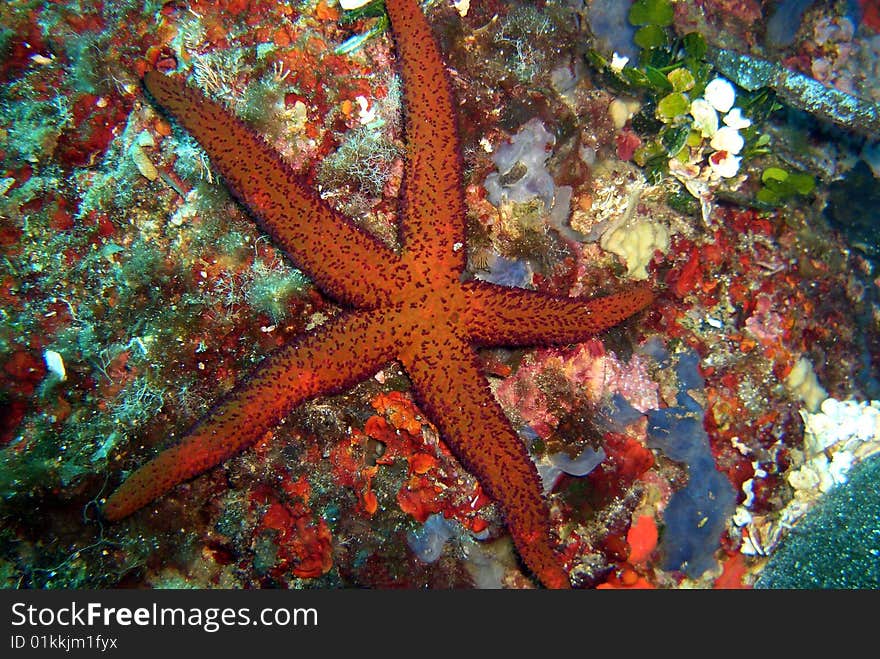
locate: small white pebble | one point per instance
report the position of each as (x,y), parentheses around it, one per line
(352,4)
(365,114)
(618,62)
(55,364)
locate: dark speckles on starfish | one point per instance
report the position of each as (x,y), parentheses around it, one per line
(410,306)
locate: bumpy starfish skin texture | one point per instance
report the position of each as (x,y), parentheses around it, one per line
(411,306)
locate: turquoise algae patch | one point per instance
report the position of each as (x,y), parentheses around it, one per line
(837,544)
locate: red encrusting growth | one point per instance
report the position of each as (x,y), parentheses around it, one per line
(410,306)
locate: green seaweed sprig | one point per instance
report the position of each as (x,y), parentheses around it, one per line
(670,74)
(779,185)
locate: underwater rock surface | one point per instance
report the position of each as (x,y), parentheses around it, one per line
(852,208)
(134,292)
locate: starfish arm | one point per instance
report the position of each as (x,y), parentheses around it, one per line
(433,208)
(498,316)
(453,393)
(333,359)
(347,263)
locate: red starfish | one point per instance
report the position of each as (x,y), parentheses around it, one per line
(411,306)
